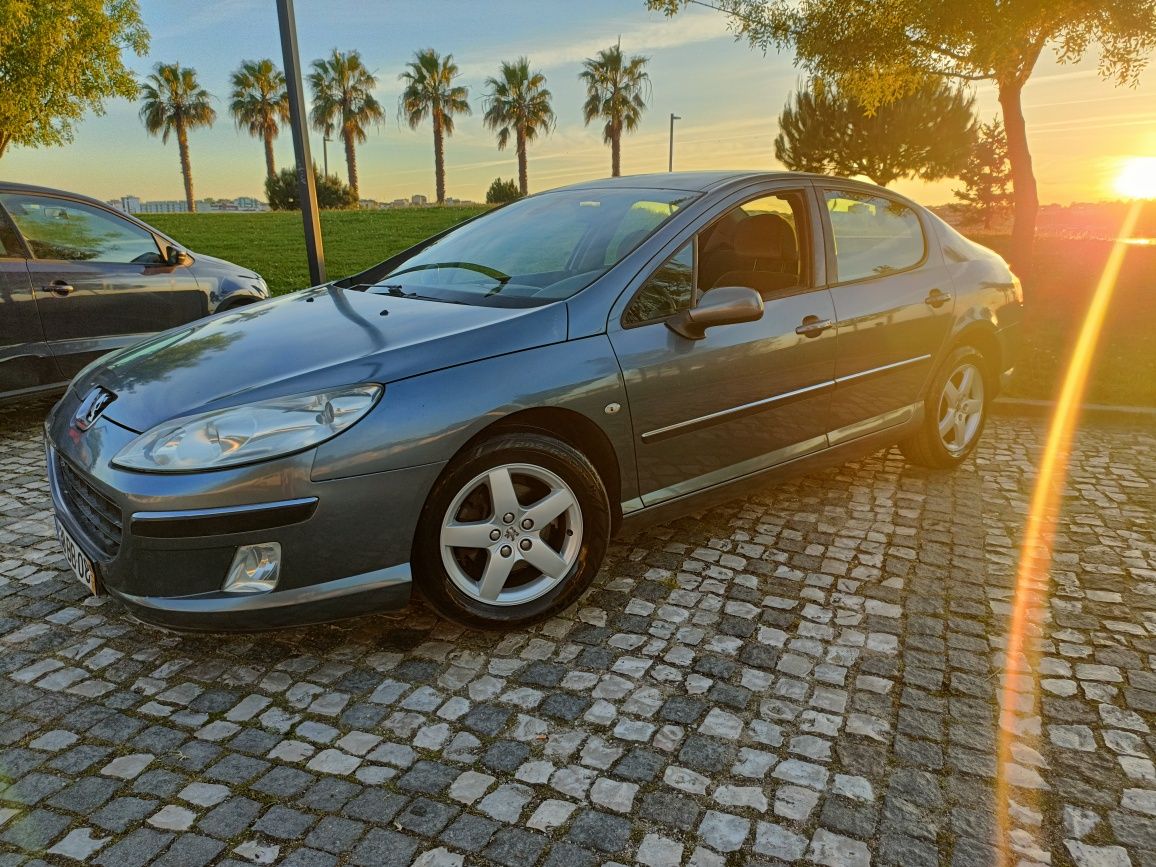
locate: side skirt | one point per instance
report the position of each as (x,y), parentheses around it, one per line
(847,450)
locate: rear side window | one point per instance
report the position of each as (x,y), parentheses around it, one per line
(874,236)
(63,229)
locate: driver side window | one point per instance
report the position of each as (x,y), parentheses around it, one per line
(73,231)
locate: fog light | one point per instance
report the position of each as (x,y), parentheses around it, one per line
(255,568)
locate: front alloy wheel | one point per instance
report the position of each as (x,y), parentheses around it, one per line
(513,531)
(527,541)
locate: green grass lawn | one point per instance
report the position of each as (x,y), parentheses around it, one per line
(273,243)
(1067,272)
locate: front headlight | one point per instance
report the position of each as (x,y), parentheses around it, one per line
(250,433)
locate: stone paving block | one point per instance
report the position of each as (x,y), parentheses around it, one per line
(812,673)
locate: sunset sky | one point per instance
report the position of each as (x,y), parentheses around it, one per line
(1081,127)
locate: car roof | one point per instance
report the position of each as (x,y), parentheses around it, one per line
(699,182)
(13,187)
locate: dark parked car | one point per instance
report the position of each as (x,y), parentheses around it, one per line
(478,415)
(79,279)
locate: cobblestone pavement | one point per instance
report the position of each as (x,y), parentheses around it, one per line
(808,674)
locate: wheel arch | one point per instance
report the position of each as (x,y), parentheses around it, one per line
(235,300)
(572,428)
(982,336)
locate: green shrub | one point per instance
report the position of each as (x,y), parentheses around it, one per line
(501,192)
(332,194)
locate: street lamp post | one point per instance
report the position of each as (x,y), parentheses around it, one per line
(670,161)
(306,184)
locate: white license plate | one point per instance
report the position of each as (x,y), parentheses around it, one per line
(76,558)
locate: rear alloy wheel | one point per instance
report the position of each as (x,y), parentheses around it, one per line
(955,413)
(513,532)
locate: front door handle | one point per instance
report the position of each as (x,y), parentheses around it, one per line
(60,287)
(813,326)
(937,299)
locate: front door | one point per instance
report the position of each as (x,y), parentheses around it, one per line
(100,280)
(25,361)
(894,308)
(748,395)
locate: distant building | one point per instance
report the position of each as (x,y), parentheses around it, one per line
(399,203)
(418,199)
(134,205)
(167,206)
(128,204)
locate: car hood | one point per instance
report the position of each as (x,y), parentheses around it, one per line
(310,340)
(213,263)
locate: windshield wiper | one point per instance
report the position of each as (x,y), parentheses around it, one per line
(492,273)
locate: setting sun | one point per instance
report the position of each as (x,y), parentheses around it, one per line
(1137,178)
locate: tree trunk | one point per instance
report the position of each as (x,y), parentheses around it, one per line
(439,157)
(270,163)
(5,139)
(523,175)
(351,166)
(186,167)
(615,151)
(1027,202)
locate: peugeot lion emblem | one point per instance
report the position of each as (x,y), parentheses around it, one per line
(94,403)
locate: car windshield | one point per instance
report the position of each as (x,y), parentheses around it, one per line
(536,250)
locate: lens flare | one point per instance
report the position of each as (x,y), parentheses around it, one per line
(1032,573)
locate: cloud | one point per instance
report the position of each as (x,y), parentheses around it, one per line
(687,28)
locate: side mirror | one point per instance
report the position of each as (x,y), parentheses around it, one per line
(175,256)
(727,305)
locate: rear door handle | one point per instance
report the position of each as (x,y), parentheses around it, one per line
(813,326)
(937,299)
(60,287)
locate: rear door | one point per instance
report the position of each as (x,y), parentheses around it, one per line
(25,360)
(99,279)
(893,306)
(748,395)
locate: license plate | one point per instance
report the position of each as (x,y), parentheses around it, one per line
(76,558)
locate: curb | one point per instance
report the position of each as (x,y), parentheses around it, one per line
(1022,406)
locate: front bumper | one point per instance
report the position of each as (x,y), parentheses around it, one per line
(162,544)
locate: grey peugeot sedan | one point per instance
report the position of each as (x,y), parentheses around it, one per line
(477,416)
(79,279)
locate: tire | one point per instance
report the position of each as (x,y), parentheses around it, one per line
(469,576)
(963,421)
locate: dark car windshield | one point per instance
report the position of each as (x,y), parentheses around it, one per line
(536,250)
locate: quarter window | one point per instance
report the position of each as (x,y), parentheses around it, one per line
(873,235)
(9,243)
(62,229)
(669,290)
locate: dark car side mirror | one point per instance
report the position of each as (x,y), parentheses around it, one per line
(176,256)
(726,305)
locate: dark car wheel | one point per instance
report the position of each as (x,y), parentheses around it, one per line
(513,531)
(955,412)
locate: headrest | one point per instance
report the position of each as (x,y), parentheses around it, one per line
(765,236)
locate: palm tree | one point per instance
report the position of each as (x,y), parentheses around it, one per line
(614,92)
(343,101)
(516,101)
(430,92)
(259,101)
(174,101)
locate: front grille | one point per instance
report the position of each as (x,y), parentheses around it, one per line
(97,515)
